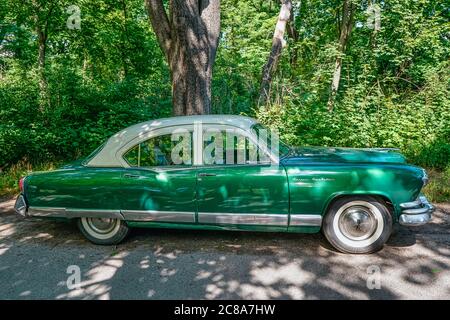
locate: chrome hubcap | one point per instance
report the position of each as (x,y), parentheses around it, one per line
(357,223)
(102,225)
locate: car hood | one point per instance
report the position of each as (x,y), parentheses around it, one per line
(343,155)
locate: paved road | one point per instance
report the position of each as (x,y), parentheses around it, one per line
(36,256)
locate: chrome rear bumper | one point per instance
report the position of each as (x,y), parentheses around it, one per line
(416,213)
(21,206)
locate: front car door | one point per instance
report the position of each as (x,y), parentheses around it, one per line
(159,183)
(239,186)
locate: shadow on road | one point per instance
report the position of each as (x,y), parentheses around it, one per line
(172,264)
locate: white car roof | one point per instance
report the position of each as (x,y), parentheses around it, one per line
(107,155)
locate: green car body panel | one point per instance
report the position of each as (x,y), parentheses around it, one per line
(291,188)
(257,189)
(75,187)
(170,189)
(319,175)
(254,197)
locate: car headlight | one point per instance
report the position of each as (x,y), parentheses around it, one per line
(425,178)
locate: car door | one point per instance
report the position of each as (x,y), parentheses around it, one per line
(159,183)
(238,186)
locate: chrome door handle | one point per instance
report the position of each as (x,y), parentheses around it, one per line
(131,176)
(206,174)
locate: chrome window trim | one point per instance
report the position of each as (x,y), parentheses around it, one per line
(149,135)
(198,144)
(248,133)
(106,157)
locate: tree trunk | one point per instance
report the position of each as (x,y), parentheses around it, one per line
(278,43)
(293,34)
(42,48)
(188,36)
(345,28)
(41,22)
(44,99)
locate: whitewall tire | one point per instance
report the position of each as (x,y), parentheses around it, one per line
(104,231)
(358,224)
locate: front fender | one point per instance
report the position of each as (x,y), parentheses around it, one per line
(313,187)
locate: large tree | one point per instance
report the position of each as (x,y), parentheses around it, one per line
(188,34)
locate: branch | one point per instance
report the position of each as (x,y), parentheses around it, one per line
(160,24)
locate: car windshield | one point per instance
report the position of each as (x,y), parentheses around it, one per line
(272,136)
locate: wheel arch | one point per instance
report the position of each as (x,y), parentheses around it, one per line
(379,195)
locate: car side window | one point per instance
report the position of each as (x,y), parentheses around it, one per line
(163,150)
(230,147)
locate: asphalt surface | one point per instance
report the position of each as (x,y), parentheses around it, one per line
(38,259)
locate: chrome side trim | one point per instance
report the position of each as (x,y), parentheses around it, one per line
(243,218)
(159,216)
(46,212)
(381,149)
(307,220)
(83,213)
(73,213)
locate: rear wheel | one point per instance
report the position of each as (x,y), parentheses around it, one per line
(358,224)
(104,231)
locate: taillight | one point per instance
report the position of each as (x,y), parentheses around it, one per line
(21,184)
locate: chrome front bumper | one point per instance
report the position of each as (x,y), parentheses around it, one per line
(416,213)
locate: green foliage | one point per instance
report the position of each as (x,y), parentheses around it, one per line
(101,78)
(394,89)
(395,83)
(9,180)
(438,190)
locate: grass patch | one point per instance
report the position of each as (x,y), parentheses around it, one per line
(438,189)
(9,179)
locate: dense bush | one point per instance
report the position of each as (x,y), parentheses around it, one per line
(395,84)
(394,89)
(76,124)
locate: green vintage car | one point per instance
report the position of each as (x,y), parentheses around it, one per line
(221,172)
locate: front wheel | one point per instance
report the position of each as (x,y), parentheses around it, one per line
(358,224)
(104,231)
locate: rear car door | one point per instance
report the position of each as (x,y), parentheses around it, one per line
(159,184)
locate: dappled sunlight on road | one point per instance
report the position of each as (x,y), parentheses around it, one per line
(171,264)
(95,285)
